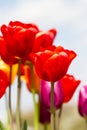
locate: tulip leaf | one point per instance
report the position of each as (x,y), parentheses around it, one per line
(25,125)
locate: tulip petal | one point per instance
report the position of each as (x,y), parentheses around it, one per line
(82,102)
(45,94)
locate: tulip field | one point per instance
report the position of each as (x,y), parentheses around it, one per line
(29,54)
(70,120)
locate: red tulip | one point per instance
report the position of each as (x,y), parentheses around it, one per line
(44,39)
(19,38)
(52,65)
(5,55)
(4,82)
(69,85)
(25,25)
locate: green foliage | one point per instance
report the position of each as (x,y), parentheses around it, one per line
(25,125)
(2,127)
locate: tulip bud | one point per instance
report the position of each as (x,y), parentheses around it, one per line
(45,100)
(44,114)
(45,94)
(82,102)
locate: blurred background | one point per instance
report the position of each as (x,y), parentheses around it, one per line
(69,17)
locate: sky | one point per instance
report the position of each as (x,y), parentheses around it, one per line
(69,17)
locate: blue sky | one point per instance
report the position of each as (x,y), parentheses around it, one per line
(69,17)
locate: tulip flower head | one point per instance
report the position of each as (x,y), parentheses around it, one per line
(45,94)
(45,99)
(4,82)
(43,39)
(82,101)
(19,38)
(44,114)
(5,55)
(69,85)
(52,65)
(28,77)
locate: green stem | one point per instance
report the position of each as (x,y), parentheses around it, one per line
(59,117)
(18,113)
(53,126)
(45,126)
(86,123)
(35,112)
(8,104)
(34,100)
(10,77)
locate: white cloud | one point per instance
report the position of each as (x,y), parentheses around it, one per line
(51,10)
(48,12)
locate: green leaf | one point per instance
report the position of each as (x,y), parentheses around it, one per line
(25,125)
(2,127)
